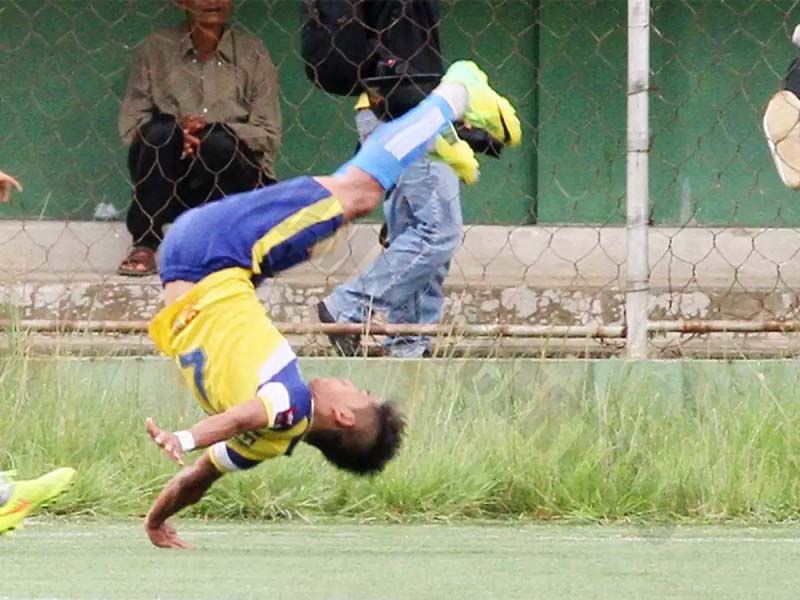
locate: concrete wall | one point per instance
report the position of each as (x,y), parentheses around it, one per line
(534,275)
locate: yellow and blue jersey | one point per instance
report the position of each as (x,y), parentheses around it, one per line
(264,231)
(219,333)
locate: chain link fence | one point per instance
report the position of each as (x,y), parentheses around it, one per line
(541,264)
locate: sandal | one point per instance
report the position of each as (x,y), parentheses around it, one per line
(140,262)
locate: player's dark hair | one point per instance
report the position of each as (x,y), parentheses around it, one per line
(345,450)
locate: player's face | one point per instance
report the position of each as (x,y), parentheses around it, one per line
(345,392)
(208,12)
(344,398)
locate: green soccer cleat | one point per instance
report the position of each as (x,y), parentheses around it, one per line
(454,151)
(487,109)
(29,496)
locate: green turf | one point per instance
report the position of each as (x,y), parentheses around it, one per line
(93,560)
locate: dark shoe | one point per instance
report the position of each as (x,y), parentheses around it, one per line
(345,344)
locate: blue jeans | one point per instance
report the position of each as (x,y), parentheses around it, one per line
(423,217)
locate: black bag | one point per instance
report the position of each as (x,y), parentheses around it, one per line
(336,45)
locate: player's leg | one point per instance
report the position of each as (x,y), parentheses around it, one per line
(18,499)
(395,145)
(5,489)
(276,226)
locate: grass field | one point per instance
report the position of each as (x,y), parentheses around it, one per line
(112,560)
(477,505)
(630,447)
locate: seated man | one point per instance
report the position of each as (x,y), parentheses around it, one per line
(201,119)
(242,370)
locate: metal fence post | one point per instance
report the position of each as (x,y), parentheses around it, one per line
(637,288)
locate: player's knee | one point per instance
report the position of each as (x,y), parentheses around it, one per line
(359,189)
(369,201)
(358,202)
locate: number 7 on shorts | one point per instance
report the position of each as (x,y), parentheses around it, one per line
(196,360)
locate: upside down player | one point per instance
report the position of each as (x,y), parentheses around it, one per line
(243,372)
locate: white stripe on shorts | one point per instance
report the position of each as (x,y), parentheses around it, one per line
(222,458)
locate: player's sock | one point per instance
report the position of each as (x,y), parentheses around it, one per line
(393,146)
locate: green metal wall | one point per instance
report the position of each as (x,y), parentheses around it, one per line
(64,63)
(715,63)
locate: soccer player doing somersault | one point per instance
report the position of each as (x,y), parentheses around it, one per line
(242,371)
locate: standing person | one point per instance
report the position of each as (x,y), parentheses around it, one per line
(423,210)
(243,372)
(201,119)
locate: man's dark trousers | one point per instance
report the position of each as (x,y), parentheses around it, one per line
(165,185)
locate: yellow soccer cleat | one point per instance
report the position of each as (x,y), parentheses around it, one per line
(454,151)
(487,109)
(29,496)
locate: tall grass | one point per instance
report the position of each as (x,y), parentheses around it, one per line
(724,447)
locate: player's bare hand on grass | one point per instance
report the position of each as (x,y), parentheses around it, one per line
(165,536)
(6,183)
(166,440)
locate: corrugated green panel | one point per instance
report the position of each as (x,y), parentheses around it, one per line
(715,66)
(501,37)
(581,81)
(64,65)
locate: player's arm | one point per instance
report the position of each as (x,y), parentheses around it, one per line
(192,482)
(248,416)
(187,487)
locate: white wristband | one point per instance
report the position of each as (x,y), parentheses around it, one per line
(186,439)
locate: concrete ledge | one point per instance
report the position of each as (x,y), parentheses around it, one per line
(537,256)
(525,275)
